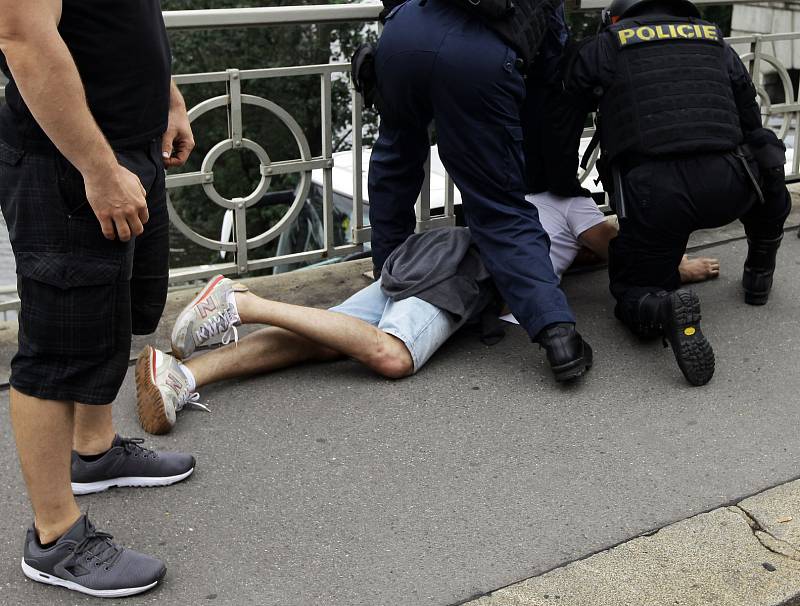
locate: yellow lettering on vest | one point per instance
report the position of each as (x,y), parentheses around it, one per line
(661,34)
(685,31)
(625,35)
(698,31)
(645,33)
(710,32)
(672,32)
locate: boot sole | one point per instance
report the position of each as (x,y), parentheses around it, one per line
(49,579)
(81,488)
(693,352)
(576,368)
(149,402)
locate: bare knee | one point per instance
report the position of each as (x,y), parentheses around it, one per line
(392,358)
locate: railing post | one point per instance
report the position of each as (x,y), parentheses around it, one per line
(240,233)
(358,193)
(327,154)
(235,108)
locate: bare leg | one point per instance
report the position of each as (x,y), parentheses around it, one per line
(43,431)
(94,429)
(382,352)
(260,352)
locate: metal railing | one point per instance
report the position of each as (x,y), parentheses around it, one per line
(757,51)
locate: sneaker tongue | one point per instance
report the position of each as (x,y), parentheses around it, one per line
(117,441)
(79,530)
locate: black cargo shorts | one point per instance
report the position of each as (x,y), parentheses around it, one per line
(82,295)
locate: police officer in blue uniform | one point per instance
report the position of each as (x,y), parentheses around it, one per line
(683,148)
(460,64)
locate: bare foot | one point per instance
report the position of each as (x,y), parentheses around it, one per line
(698,270)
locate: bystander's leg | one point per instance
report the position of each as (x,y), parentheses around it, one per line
(43,430)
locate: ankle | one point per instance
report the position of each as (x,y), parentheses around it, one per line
(50,530)
(93,445)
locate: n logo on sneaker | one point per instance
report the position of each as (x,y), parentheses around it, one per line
(174,383)
(206,307)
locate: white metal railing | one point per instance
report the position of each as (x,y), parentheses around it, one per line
(757,50)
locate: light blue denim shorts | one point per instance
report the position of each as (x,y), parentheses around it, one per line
(421,326)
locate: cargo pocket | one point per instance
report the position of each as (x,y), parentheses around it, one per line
(515,160)
(69,304)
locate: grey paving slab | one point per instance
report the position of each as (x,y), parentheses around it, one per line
(709,560)
(328,485)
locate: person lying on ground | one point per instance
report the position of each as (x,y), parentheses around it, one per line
(372,326)
(580,233)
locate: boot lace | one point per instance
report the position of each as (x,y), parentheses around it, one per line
(187,399)
(133,446)
(221,323)
(98,546)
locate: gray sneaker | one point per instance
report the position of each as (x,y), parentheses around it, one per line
(88,561)
(212,313)
(127,463)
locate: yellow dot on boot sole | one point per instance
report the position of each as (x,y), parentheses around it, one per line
(689,331)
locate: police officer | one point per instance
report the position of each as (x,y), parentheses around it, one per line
(682,149)
(460,64)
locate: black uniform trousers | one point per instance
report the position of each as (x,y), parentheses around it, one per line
(668,199)
(437,62)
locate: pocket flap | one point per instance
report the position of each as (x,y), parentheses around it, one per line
(64,271)
(10,155)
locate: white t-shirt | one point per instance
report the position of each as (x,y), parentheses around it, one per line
(564,219)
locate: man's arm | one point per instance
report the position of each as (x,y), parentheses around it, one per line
(566,115)
(50,84)
(178,141)
(744,93)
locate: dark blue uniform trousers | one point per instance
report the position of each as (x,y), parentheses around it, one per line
(436,62)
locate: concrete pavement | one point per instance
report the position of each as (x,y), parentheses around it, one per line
(328,485)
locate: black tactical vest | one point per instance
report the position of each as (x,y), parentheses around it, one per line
(672,93)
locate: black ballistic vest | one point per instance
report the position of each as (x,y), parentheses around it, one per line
(522,24)
(672,93)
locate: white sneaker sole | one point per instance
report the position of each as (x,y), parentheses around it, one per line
(49,579)
(80,488)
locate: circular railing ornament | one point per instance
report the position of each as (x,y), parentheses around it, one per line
(217,151)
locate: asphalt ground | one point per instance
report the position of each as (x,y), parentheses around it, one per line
(329,485)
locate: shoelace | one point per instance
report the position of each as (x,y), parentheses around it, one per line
(133,446)
(223,322)
(108,553)
(187,399)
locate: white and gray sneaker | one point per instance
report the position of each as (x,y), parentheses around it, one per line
(128,463)
(162,390)
(212,313)
(87,560)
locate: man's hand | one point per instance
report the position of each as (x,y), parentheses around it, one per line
(178,141)
(698,270)
(119,201)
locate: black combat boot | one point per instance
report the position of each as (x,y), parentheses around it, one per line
(758,269)
(569,355)
(677,315)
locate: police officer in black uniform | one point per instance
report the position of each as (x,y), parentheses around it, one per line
(683,148)
(460,63)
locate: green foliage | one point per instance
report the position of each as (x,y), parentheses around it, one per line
(585,23)
(237,173)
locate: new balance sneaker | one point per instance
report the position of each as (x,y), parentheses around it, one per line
(87,560)
(212,313)
(162,390)
(128,463)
